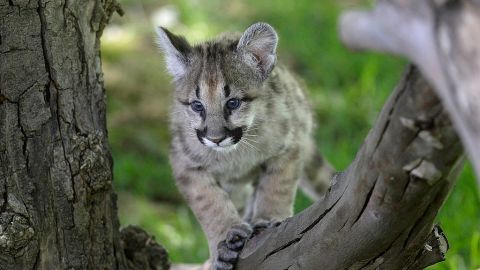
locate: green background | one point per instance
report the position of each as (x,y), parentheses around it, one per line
(347,90)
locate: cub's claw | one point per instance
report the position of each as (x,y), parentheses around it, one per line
(229,249)
(225,254)
(261,225)
(222,265)
(238,235)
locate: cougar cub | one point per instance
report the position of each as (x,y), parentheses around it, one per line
(241,135)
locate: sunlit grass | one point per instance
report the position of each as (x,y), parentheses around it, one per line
(172,225)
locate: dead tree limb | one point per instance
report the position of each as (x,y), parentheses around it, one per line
(443,39)
(379,213)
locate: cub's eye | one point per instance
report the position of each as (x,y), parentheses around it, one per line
(197,106)
(233,103)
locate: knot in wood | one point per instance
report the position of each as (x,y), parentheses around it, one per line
(15,232)
(95,161)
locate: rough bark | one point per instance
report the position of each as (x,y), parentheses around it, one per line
(57,207)
(379,213)
(442,38)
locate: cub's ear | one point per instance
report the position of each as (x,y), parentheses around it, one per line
(176,50)
(258,45)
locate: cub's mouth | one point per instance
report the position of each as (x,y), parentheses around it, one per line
(226,141)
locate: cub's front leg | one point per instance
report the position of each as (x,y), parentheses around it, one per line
(225,231)
(276,189)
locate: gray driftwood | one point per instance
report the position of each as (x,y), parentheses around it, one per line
(379,213)
(442,37)
(57,207)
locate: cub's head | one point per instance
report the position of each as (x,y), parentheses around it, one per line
(218,82)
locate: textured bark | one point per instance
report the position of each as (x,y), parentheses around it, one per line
(442,38)
(379,213)
(57,207)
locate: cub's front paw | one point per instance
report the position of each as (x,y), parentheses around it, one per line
(229,249)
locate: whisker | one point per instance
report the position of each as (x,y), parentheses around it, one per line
(240,146)
(247,145)
(250,139)
(246,141)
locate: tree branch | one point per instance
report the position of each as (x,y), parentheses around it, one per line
(443,39)
(380,211)
(433,251)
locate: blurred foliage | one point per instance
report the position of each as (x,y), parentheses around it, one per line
(347,90)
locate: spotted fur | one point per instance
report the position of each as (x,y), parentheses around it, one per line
(223,158)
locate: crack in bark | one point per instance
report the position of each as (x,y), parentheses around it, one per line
(12,50)
(5,197)
(372,261)
(30,87)
(343,226)
(407,184)
(302,233)
(390,112)
(286,245)
(317,220)
(84,61)
(43,30)
(387,123)
(417,222)
(54,111)
(37,261)
(81,48)
(25,140)
(367,200)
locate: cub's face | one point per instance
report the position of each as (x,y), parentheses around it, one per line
(219,105)
(217,83)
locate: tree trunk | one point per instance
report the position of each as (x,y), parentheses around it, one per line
(58,210)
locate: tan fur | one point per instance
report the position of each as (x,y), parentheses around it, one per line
(264,167)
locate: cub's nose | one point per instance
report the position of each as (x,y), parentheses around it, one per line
(216,140)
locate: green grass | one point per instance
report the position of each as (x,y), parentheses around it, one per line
(347,90)
(172,225)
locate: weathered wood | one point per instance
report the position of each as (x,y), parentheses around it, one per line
(141,250)
(443,39)
(379,213)
(57,207)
